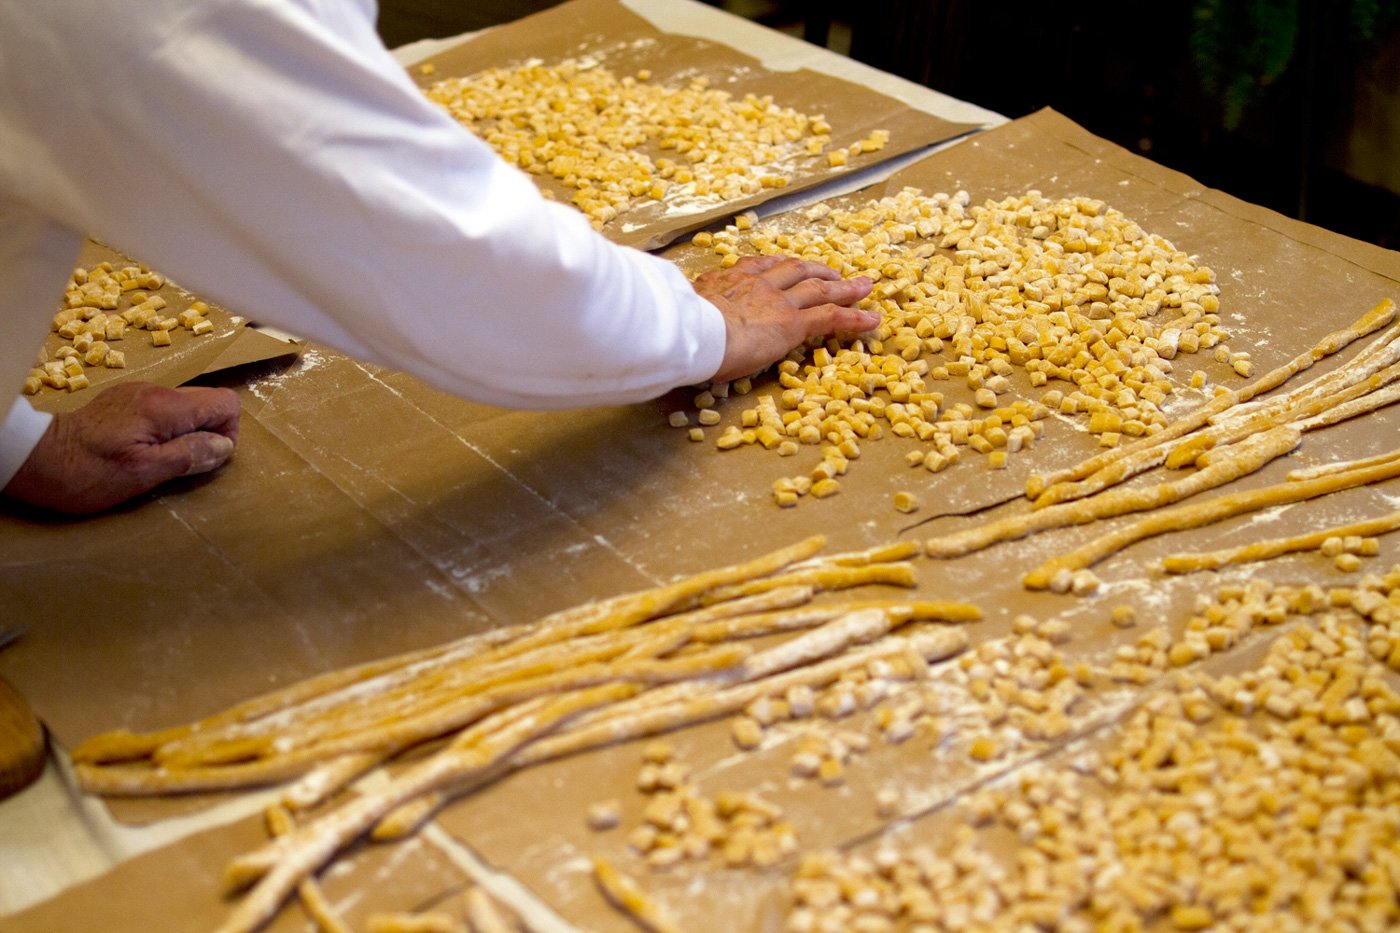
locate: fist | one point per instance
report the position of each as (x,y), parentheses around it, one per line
(125,442)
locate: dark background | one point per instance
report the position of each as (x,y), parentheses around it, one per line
(1255,97)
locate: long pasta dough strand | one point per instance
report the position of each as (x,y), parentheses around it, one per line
(769,623)
(121,745)
(652,714)
(327,693)
(1379,316)
(1195,515)
(627,896)
(1380,353)
(311,845)
(652,603)
(634,720)
(313,899)
(1226,421)
(1361,406)
(389,738)
(823,578)
(1253,454)
(1297,411)
(1340,466)
(1263,550)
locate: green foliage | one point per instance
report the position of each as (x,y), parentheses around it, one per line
(1370,18)
(1240,47)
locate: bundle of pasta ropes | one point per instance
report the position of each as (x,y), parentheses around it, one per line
(604,672)
(1232,436)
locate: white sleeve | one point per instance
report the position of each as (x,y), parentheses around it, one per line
(272,156)
(19,432)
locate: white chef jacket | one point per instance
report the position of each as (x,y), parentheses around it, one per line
(270,155)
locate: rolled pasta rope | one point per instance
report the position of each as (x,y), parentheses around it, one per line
(330,690)
(122,745)
(627,896)
(853,628)
(774,622)
(329,778)
(1263,550)
(1293,411)
(1361,406)
(1380,353)
(674,632)
(392,738)
(313,899)
(1341,466)
(129,780)
(1223,425)
(1253,454)
(1379,316)
(650,604)
(653,713)
(823,578)
(880,554)
(664,640)
(325,721)
(416,698)
(1195,515)
(477,752)
(405,819)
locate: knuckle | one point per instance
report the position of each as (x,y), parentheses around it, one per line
(152,404)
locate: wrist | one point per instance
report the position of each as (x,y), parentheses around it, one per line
(19,435)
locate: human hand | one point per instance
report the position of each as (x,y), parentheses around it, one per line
(773,303)
(126,441)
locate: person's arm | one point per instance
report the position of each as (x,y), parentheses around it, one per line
(273,157)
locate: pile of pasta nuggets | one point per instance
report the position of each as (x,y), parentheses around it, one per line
(103,306)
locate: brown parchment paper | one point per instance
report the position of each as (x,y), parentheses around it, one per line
(622,41)
(137,896)
(188,357)
(366,513)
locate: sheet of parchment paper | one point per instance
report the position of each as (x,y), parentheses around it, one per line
(232,343)
(369,514)
(607,32)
